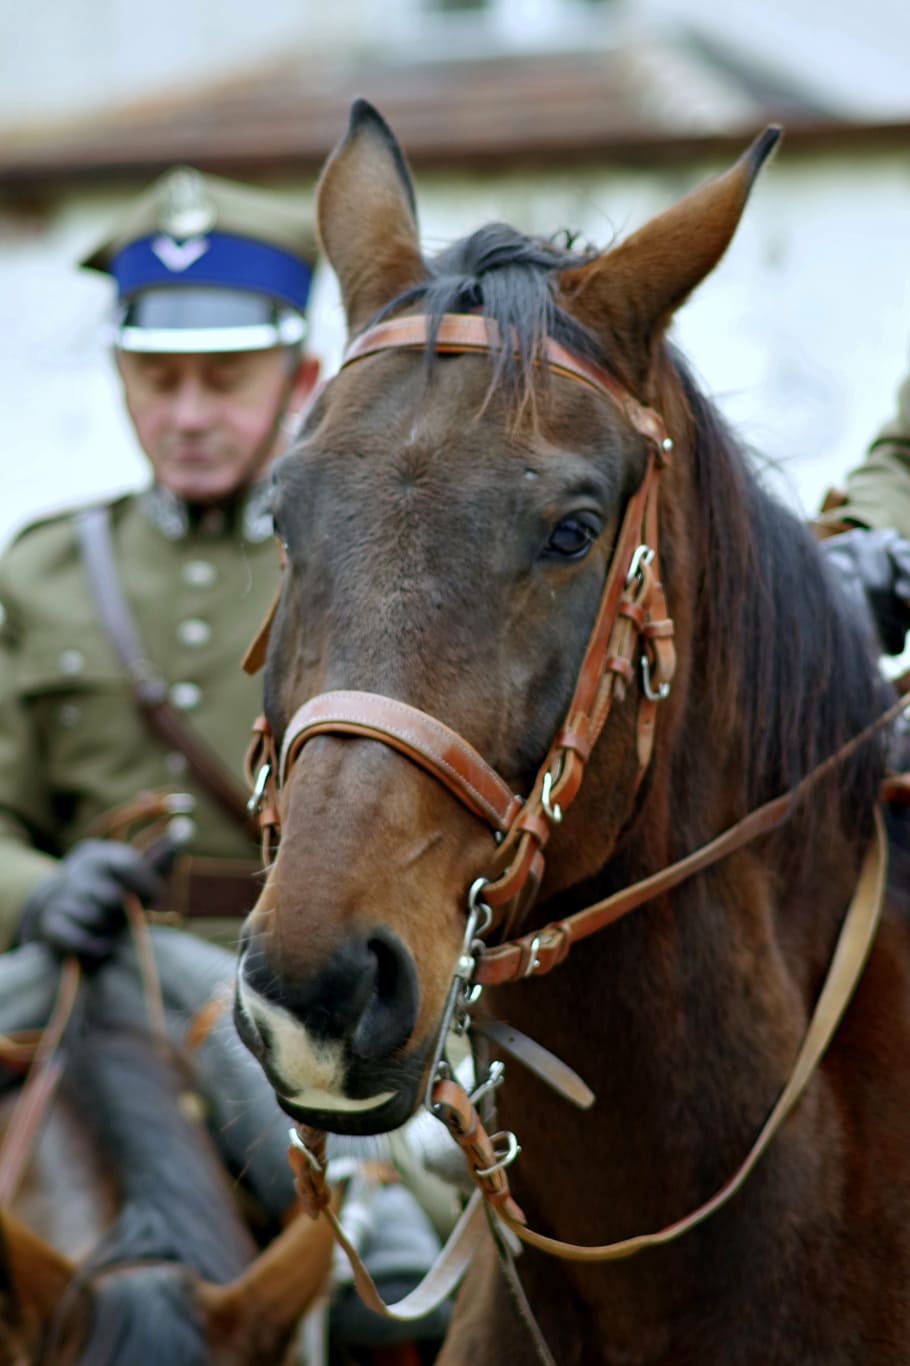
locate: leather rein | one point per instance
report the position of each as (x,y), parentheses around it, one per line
(631,627)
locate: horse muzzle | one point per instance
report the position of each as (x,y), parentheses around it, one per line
(332,1044)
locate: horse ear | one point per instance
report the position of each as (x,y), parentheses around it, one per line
(367,218)
(258,1311)
(33,1277)
(628,295)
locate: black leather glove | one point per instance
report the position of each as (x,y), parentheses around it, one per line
(80,908)
(873,567)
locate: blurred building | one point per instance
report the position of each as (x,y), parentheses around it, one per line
(581,114)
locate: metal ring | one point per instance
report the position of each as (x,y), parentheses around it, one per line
(513,1148)
(475,905)
(554,810)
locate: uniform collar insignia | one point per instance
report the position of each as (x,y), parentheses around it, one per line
(257,513)
(168,513)
(171,515)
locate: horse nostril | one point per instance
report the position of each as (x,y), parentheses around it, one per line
(391,1012)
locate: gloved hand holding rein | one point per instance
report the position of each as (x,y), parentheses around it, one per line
(80,909)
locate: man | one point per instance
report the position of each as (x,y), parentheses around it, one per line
(867,530)
(124,626)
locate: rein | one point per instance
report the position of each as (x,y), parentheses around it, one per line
(631,624)
(39,1053)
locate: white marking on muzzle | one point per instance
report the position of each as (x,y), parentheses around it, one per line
(311,1073)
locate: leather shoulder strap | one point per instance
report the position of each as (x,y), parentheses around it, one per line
(149,688)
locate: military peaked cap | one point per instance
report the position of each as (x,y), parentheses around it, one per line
(205,264)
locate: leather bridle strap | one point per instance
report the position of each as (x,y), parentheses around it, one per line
(40,1084)
(541,950)
(851,951)
(631,609)
(417,735)
(306,1157)
(854,941)
(457,333)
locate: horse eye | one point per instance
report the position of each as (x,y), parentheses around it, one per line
(572,538)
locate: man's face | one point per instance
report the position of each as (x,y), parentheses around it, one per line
(204,421)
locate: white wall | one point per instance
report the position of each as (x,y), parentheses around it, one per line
(801,334)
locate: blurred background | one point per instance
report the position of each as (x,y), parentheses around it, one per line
(589,115)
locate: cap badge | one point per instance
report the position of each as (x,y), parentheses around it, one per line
(179,256)
(187,209)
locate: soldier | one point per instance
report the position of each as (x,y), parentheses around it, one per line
(867,530)
(124,625)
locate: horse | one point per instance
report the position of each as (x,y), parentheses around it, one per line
(521,547)
(130,1238)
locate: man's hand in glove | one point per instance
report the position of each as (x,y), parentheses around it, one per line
(80,908)
(873,567)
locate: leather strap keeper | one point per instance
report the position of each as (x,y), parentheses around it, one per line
(211,888)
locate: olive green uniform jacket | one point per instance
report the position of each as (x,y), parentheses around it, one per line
(72,743)
(878,491)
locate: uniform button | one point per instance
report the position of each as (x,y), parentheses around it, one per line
(71,661)
(199,573)
(181,829)
(176,763)
(185,696)
(194,631)
(69,715)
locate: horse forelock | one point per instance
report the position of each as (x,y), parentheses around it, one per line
(511,279)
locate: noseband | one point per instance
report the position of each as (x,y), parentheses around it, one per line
(631,621)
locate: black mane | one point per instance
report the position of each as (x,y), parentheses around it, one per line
(176,1213)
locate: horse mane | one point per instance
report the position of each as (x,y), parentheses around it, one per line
(760,577)
(176,1216)
(143,1318)
(762,581)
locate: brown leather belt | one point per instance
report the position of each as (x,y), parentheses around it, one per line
(210,888)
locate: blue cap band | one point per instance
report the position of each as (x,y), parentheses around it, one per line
(235,262)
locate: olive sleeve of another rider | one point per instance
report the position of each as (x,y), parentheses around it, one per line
(878,490)
(25,805)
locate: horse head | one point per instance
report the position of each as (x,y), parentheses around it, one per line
(449,517)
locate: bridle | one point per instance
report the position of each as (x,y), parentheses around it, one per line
(631,627)
(631,614)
